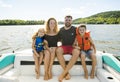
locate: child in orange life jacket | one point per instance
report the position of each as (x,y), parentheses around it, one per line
(38,47)
(85,43)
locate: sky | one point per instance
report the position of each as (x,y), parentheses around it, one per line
(44,9)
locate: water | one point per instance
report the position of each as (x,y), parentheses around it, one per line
(105,37)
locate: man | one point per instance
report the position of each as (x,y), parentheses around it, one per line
(67,36)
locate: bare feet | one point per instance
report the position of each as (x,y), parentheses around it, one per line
(50,75)
(37,76)
(86,75)
(46,76)
(92,75)
(60,78)
(67,77)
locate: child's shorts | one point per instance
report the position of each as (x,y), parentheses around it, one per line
(37,51)
(87,53)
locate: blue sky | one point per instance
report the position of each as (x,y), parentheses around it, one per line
(44,9)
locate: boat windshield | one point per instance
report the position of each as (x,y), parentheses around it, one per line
(118,57)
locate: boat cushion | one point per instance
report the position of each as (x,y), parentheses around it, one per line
(2,71)
(111,61)
(8,79)
(105,76)
(6,60)
(112,71)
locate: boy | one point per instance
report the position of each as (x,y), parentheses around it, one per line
(87,48)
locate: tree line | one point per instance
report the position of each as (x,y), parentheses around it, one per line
(21,22)
(110,17)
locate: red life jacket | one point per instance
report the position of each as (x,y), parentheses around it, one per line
(83,42)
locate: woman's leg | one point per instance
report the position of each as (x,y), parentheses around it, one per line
(52,57)
(36,66)
(46,63)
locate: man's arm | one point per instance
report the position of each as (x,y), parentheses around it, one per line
(75,44)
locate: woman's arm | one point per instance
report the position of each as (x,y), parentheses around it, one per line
(46,45)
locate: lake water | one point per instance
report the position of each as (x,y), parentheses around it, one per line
(18,37)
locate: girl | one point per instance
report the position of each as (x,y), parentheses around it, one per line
(38,47)
(52,38)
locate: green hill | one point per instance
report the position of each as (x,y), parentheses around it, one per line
(110,17)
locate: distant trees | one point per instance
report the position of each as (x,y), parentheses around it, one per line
(21,22)
(111,17)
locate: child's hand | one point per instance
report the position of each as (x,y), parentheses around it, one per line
(77,47)
(95,51)
(51,49)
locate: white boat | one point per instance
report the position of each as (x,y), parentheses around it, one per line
(20,68)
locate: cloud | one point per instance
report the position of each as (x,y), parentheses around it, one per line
(69,11)
(91,4)
(5,5)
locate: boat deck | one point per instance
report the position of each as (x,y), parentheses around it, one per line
(55,79)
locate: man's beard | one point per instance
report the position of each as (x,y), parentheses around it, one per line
(67,24)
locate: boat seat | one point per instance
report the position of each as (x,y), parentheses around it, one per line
(6,62)
(24,61)
(24,70)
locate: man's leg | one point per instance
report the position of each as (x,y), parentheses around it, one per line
(84,65)
(75,55)
(93,57)
(60,57)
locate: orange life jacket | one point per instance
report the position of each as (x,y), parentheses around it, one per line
(83,42)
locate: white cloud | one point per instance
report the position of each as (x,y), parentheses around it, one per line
(67,11)
(80,10)
(5,5)
(91,4)
(70,11)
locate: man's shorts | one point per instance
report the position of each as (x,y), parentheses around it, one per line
(67,49)
(87,53)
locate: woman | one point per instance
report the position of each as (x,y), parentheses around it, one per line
(52,38)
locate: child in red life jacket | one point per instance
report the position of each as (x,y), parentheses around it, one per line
(38,46)
(85,43)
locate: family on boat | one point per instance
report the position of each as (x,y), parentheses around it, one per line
(49,43)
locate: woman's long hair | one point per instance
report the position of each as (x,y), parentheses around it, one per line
(48,28)
(34,35)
